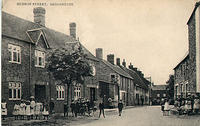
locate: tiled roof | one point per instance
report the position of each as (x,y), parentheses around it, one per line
(159,87)
(17,28)
(117,69)
(184,59)
(136,78)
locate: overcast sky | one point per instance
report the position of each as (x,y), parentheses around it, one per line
(151,34)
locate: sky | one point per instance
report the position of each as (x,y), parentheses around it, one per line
(151,34)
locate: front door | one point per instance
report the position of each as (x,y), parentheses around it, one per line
(40,93)
(92,94)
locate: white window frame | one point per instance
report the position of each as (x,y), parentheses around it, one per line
(14,49)
(40,54)
(77,92)
(60,90)
(15,86)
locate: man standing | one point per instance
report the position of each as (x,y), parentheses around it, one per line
(65,109)
(120,107)
(101,108)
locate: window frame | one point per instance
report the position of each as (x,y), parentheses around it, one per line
(60,92)
(40,54)
(13,87)
(17,51)
(77,92)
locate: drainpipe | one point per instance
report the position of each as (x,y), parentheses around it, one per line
(29,70)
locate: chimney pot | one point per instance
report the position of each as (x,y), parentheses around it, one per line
(118,62)
(124,63)
(39,15)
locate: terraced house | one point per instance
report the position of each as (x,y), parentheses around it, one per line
(25,47)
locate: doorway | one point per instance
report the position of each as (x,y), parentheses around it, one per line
(92,94)
(40,93)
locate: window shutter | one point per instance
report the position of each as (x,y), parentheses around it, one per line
(35,58)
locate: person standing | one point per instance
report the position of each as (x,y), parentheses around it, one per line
(65,109)
(3,109)
(28,110)
(120,107)
(166,108)
(22,109)
(196,106)
(45,111)
(32,106)
(72,106)
(101,109)
(16,111)
(51,106)
(162,106)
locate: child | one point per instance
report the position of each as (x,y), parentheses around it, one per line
(3,109)
(166,108)
(16,111)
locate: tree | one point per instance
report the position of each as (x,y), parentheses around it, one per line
(69,66)
(170,86)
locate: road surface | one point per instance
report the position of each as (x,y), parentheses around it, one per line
(143,116)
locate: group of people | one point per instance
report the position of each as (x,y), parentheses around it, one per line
(82,106)
(31,109)
(35,110)
(188,106)
(28,109)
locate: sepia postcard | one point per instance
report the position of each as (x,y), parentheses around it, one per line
(100,62)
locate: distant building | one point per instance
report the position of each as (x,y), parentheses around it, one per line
(158,93)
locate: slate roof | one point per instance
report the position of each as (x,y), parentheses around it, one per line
(136,78)
(159,87)
(117,69)
(18,28)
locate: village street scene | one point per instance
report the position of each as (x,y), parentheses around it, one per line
(113,68)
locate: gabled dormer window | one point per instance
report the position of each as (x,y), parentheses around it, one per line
(14,53)
(39,58)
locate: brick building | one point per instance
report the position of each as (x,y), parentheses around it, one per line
(25,48)
(158,92)
(113,81)
(140,91)
(181,75)
(194,48)
(192,60)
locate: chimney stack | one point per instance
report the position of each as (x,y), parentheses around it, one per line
(130,66)
(124,63)
(99,53)
(39,15)
(110,58)
(118,62)
(72,29)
